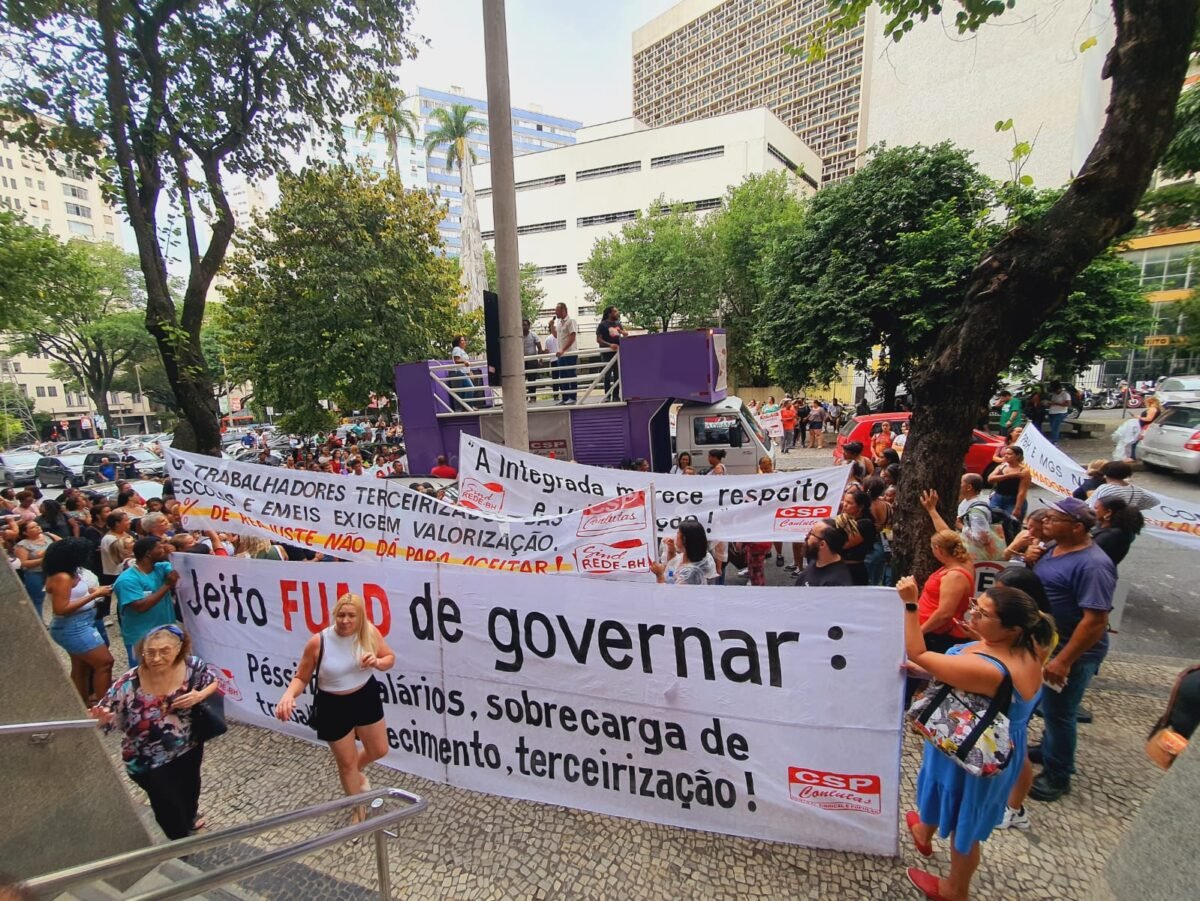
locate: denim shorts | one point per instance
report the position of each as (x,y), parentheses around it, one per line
(77,633)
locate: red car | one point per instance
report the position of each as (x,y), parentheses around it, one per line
(984,445)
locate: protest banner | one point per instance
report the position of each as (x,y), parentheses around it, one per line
(773,423)
(759,712)
(363,518)
(781,506)
(1173,519)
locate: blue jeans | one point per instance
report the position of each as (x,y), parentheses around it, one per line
(876,563)
(1056,421)
(35,587)
(1058,710)
(1013,518)
(566,372)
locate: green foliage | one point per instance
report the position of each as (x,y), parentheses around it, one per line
(879,265)
(454,128)
(386,114)
(1171,206)
(658,270)
(755,213)
(1182,157)
(166,98)
(335,286)
(84,307)
(532,292)
(879,260)
(12,428)
(900,16)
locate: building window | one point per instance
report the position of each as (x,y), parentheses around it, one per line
(690,156)
(108,220)
(24,390)
(551,270)
(16,367)
(487,235)
(83,229)
(605,171)
(606,218)
(52,391)
(41,390)
(29,182)
(538,228)
(693,206)
(74,209)
(41,185)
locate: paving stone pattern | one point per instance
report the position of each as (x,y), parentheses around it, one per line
(471,845)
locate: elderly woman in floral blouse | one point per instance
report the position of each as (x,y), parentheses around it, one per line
(152,704)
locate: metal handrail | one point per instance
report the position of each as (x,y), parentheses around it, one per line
(48,726)
(375,824)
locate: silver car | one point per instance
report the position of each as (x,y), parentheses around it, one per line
(1179,389)
(17,467)
(1173,441)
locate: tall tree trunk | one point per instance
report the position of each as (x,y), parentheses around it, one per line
(1025,278)
(470,259)
(889,383)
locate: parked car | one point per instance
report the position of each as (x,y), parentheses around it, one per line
(60,469)
(1179,389)
(149,465)
(17,467)
(108,490)
(1173,440)
(984,445)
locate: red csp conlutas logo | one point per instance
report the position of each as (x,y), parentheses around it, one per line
(800,518)
(835,791)
(485,496)
(626,513)
(631,555)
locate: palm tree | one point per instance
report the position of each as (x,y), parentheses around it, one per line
(387,115)
(453,129)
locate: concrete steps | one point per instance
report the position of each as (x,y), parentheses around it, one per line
(169,872)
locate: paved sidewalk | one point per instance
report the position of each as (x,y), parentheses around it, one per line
(469,845)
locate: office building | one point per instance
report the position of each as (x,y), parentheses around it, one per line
(705,57)
(69,206)
(532,131)
(570,197)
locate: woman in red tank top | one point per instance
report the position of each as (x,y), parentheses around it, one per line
(947,592)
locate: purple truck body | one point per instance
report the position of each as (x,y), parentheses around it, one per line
(657,370)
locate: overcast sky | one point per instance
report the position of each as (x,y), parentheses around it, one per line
(572,57)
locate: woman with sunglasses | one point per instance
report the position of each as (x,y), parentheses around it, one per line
(152,705)
(1010,632)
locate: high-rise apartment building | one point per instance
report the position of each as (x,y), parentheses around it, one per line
(69,206)
(532,131)
(703,58)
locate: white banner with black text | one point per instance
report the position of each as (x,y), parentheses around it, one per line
(363,518)
(781,506)
(760,712)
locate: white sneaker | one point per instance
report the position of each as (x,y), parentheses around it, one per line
(742,573)
(1015,819)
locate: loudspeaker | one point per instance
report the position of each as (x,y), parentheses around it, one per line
(491,334)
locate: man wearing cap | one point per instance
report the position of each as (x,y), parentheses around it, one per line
(143,592)
(1079,579)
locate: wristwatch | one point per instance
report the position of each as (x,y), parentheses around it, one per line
(910,607)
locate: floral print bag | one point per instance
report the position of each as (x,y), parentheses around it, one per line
(970,729)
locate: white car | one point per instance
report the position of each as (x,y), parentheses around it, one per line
(1179,389)
(1173,440)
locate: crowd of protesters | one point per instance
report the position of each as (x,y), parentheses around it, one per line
(1043,624)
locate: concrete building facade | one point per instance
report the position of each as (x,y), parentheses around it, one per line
(68,206)
(569,198)
(704,57)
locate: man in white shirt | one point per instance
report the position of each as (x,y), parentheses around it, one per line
(568,353)
(1059,407)
(550,346)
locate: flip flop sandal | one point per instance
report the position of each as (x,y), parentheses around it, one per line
(913,819)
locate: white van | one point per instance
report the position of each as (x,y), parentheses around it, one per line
(729,426)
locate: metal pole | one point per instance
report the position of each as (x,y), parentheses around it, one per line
(382,872)
(137,370)
(504,209)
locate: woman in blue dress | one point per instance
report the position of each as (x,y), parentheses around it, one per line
(951,801)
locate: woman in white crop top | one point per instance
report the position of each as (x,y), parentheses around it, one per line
(347,697)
